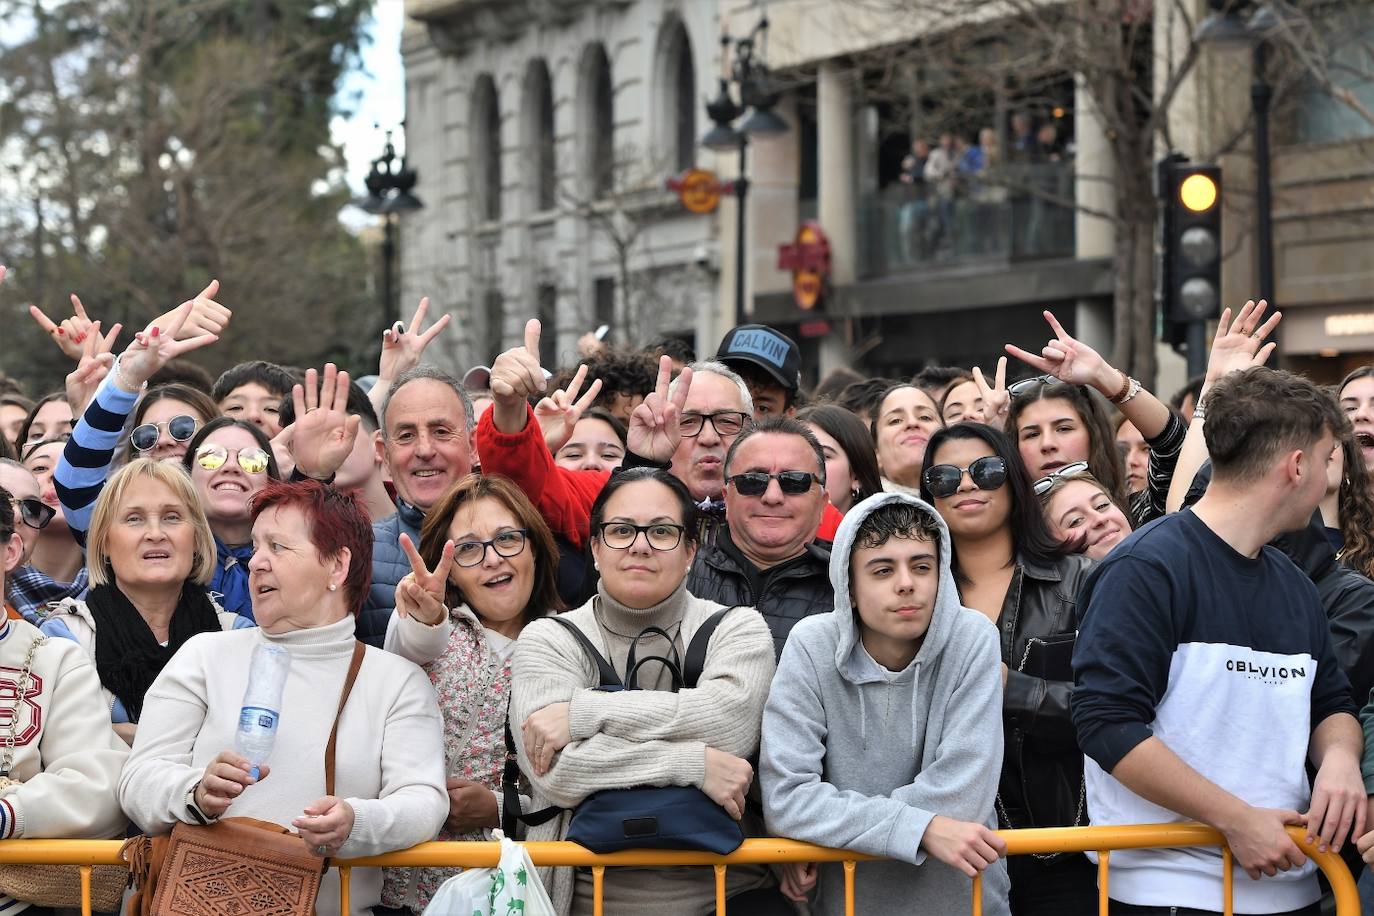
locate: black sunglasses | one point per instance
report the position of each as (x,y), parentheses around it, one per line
(986,473)
(181,428)
(35,512)
(755,483)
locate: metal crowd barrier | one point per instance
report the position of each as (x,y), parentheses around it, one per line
(1102,840)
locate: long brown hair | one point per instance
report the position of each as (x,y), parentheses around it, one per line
(1356,505)
(544,596)
(1104,460)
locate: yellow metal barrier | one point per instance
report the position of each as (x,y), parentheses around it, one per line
(1102,840)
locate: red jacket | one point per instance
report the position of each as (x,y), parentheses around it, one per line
(563,497)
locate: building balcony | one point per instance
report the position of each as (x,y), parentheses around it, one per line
(1017,213)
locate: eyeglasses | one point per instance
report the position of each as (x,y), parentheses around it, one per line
(724,422)
(180,428)
(622,535)
(1042,486)
(755,483)
(212,458)
(506,544)
(986,473)
(35,512)
(1017,389)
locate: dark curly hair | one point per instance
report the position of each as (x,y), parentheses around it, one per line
(897,520)
(627,372)
(1356,502)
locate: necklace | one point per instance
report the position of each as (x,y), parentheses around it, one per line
(21,690)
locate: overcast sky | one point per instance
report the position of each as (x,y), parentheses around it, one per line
(374,94)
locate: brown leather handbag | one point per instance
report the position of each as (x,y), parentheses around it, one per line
(237,865)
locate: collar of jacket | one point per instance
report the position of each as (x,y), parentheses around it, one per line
(411,517)
(1052,573)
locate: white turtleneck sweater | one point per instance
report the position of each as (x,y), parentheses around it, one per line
(389,764)
(640,737)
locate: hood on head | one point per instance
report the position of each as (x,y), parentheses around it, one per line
(946,600)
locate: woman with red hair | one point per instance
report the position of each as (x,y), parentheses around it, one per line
(309,574)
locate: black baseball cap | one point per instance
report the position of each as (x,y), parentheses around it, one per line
(769,349)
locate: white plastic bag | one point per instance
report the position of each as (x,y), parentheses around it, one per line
(512,888)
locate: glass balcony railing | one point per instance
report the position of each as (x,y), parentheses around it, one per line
(1020,212)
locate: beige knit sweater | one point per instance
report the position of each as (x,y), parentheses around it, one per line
(641,737)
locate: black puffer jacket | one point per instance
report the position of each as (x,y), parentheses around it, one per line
(783,594)
(1042,767)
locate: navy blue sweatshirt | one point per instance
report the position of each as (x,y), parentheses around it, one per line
(1228,661)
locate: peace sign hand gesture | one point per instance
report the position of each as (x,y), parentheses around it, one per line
(996,401)
(1071,361)
(655,426)
(402,348)
(96,360)
(420,595)
(324,432)
(559,412)
(71,333)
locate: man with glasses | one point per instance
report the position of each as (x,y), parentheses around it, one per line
(765,555)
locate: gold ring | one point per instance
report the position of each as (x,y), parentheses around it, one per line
(308,409)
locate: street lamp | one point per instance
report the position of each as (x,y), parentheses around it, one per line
(758,95)
(1228,24)
(389,183)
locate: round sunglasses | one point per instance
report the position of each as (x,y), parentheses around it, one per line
(144,437)
(212,457)
(986,473)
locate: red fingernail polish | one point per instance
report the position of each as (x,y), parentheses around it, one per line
(60,331)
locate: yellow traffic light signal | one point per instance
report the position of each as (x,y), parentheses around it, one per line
(1198,193)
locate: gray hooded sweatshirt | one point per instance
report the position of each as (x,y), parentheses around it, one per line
(858,757)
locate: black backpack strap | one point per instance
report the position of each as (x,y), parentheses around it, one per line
(604,669)
(632,663)
(696,651)
(510,794)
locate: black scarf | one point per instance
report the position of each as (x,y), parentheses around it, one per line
(127,655)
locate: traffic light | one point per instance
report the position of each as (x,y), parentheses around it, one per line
(1190,275)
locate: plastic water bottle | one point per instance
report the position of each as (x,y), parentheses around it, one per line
(261,712)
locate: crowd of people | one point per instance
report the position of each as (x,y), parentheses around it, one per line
(930,608)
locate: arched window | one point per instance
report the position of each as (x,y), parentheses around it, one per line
(677,95)
(596,109)
(485,137)
(538,142)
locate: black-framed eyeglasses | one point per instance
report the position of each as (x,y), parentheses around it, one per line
(34,512)
(659,535)
(181,428)
(506,544)
(1017,389)
(724,422)
(1042,486)
(755,483)
(986,473)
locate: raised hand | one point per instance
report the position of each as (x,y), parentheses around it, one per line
(1239,343)
(559,412)
(71,333)
(1070,360)
(323,433)
(96,360)
(206,316)
(420,595)
(402,348)
(516,376)
(154,347)
(996,400)
(655,426)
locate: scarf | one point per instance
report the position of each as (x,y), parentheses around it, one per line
(230,581)
(127,655)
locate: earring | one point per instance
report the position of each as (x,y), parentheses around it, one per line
(333,587)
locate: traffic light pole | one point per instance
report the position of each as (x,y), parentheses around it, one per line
(1260,95)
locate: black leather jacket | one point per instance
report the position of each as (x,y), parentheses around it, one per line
(1042,767)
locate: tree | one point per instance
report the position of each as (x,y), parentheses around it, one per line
(1132,61)
(157,144)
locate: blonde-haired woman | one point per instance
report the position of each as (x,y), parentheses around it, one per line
(149,554)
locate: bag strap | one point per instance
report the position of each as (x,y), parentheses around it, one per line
(632,664)
(358,651)
(696,651)
(605,671)
(510,793)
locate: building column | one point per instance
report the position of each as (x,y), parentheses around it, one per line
(1094,236)
(838,205)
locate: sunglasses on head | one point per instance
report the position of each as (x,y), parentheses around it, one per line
(180,428)
(755,483)
(35,512)
(212,458)
(986,473)
(1017,389)
(1043,485)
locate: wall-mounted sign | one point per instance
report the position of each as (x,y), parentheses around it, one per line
(1349,325)
(808,257)
(698,189)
